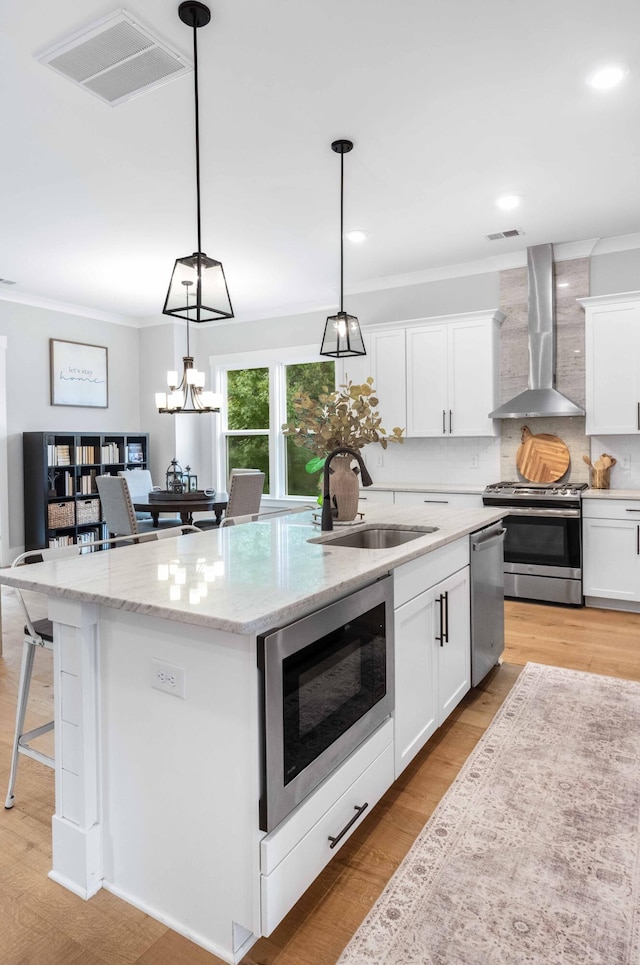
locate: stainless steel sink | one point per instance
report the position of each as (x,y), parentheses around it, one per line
(377,538)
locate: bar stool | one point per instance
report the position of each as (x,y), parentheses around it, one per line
(39,633)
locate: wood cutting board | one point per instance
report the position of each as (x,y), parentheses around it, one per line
(542,458)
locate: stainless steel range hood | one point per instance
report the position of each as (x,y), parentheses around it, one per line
(541,398)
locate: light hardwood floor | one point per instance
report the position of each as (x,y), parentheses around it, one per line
(43,924)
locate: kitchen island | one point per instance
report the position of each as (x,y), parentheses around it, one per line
(157,707)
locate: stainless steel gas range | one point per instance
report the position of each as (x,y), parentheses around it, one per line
(543,542)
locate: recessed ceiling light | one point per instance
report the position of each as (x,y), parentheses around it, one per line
(607,77)
(357,236)
(508,202)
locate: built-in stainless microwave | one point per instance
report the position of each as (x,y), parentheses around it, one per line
(327,684)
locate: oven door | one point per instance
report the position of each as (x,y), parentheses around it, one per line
(327,684)
(545,540)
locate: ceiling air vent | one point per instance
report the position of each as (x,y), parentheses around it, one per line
(116,59)
(510,233)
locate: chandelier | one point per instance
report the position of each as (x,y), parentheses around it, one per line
(342,336)
(187,395)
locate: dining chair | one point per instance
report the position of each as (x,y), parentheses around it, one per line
(117,508)
(245,493)
(140,483)
(39,633)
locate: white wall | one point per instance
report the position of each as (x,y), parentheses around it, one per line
(28,331)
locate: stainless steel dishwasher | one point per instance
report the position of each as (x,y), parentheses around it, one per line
(487,599)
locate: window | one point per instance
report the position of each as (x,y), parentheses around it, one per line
(258,402)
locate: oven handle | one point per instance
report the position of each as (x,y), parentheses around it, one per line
(529,511)
(359,810)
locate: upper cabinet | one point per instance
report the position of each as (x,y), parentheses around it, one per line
(453,376)
(434,377)
(612,349)
(385,361)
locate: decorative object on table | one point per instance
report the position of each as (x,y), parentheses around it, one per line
(189,481)
(531,855)
(173,477)
(599,471)
(78,374)
(342,336)
(542,458)
(346,417)
(204,275)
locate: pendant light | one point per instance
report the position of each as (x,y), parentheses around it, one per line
(188,395)
(342,336)
(212,299)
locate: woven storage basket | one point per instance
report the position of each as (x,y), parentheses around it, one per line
(87,511)
(62,514)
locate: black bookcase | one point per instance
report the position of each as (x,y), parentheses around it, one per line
(61,503)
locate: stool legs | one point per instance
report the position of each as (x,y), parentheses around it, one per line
(20,745)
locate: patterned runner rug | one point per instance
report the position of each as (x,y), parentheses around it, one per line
(532,856)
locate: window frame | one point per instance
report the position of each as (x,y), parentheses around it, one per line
(276,360)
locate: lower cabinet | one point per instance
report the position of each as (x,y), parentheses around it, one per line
(432,647)
(611,541)
(425,497)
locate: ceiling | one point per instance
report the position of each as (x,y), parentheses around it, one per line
(449,105)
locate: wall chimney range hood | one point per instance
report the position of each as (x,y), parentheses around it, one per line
(541,398)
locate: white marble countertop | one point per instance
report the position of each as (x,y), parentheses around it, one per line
(427,487)
(611,494)
(244,578)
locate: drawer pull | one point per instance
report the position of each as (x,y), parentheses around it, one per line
(444,502)
(444,416)
(359,810)
(450,426)
(632,510)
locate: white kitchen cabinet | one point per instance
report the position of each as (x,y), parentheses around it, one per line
(385,362)
(432,646)
(453,376)
(612,360)
(611,551)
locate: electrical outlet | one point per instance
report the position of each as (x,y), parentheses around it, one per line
(625,462)
(168,677)
(474,461)
(379,460)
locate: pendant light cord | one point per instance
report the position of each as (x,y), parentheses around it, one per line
(341,228)
(195,83)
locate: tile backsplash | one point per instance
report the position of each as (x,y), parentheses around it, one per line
(469,462)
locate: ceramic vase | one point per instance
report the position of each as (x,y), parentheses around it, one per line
(344,487)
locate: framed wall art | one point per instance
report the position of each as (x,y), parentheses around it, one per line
(78,374)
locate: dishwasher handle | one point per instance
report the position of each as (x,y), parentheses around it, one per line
(483,544)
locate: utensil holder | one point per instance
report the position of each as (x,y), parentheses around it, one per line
(599,478)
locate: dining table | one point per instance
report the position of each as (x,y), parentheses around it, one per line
(185,504)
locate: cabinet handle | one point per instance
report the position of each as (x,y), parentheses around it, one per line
(637,540)
(441,637)
(444,416)
(638,416)
(632,510)
(445,502)
(446,610)
(450,429)
(359,810)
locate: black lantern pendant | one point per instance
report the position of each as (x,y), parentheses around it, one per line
(342,336)
(206,275)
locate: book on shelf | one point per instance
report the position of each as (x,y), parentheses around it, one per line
(110,453)
(88,483)
(58,455)
(134,452)
(85,455)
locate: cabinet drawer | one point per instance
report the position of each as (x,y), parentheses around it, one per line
(384,496)
(426,498)
(628,509)
(290,879)
(418,575)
